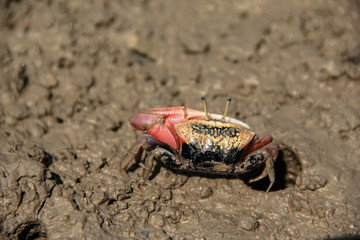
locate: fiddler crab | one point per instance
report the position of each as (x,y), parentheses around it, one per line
(193,141)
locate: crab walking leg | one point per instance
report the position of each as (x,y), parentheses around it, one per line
(162,155)
(131,155)
(268,171)
(145,142)
(150,168)
(273,150)
(269,166)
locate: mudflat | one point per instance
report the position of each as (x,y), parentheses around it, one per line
(73,72)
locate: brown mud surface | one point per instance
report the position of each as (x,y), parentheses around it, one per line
(72,73)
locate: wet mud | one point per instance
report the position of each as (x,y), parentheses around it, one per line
(72,73)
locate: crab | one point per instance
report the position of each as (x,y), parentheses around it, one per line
(194,141)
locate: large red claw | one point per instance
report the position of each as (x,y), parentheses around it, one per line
(144,121)
(173,114)
(166,133)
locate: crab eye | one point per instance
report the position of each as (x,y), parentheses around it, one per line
(187,166)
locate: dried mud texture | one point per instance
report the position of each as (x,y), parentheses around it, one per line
(72,72)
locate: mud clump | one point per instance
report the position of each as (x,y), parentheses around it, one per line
(72,73)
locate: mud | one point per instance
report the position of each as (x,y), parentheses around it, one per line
(72,72)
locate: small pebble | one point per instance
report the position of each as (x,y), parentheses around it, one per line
(205,191)
(157,220)
(48,80)
(248,223)
(194,43)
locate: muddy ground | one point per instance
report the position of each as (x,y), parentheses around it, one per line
(72,73)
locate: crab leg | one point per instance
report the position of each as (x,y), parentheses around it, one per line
(267,172)
(132,154)
(144,143)
(149,169)
(269,151)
